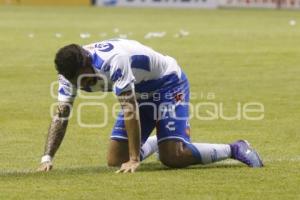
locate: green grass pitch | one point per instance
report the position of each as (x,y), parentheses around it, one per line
(239,55)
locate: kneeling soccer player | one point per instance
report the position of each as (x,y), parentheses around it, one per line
(153,92)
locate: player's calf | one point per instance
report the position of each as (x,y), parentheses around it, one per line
(117,153)
(173,154)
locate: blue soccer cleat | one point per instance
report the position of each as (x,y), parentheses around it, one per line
(242,151)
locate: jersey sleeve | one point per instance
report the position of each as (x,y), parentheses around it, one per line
(66,90)
(121,75)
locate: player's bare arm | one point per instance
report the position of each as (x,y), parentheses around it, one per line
(55,135)
(133,128)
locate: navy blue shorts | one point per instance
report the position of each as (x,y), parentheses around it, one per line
(167,110)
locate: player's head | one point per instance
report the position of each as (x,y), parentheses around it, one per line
(71,61)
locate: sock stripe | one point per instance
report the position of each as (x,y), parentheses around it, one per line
(195,151)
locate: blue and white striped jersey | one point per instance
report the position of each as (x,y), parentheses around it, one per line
(125,64)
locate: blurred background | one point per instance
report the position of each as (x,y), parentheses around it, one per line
(166,3)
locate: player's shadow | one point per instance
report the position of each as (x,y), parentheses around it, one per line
(157,166)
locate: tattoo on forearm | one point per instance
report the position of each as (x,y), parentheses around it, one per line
(57,129)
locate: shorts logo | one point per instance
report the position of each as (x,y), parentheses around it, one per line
(170,126)
(104,47)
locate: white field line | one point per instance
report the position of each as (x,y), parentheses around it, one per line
(229,161)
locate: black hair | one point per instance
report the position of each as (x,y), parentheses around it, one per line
(69,59)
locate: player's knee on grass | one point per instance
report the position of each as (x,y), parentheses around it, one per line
(117,153)
(171,154)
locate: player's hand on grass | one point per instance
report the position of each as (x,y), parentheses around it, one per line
(46,164)
(129,166)
(45,167)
